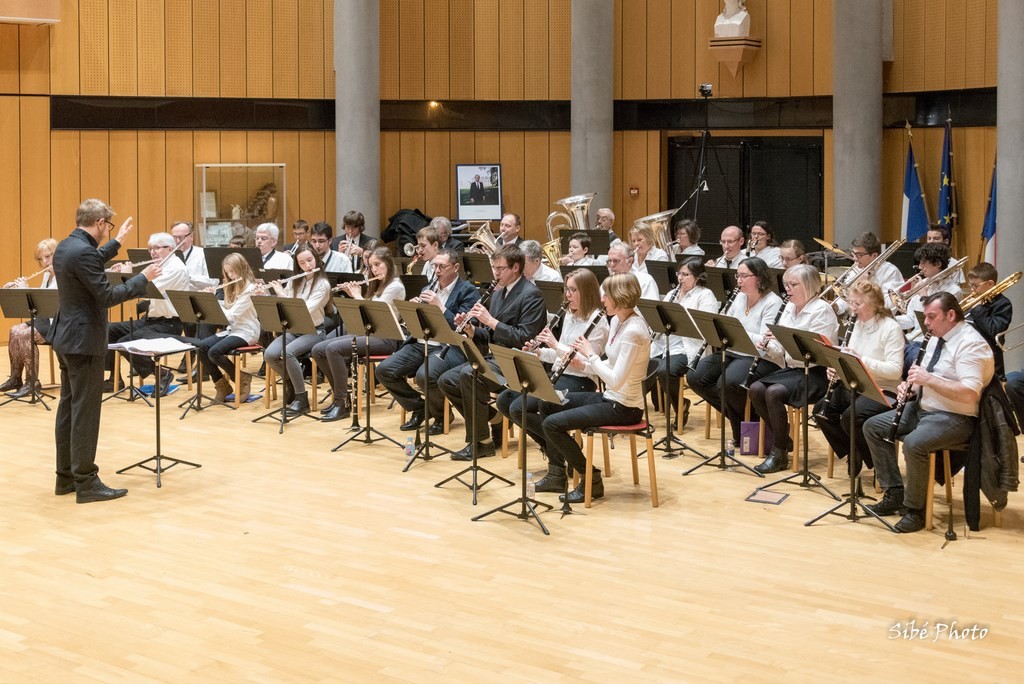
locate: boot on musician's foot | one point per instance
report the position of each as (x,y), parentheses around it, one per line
(289,391)
(11,384)
(776,461)
(891,503)
(300,404)
(345,402)
(26,389)
(578,495)
(244,385)
(554,481)
(223,388)
(108,384)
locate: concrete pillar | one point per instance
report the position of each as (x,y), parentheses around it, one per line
(1010,158)
(357,110)
(593,34)
(857,118)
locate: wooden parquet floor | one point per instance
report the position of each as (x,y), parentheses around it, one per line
(279,561)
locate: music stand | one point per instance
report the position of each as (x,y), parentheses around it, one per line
(157,349)
(284,315)
(152,292)
(554,294)
(600,272)
(775,279)
(525,374)
(807,346)
(198,308)
(30,303)
(599,240)
(481,369)
(663,272)
(414,284)
(669,318)
(855,377)
(477,268)
(426,322)
(376,319)
(721,281)
(724,333)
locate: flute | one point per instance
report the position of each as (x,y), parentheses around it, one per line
(13,283)
(230,282)
(282,281)
(342,286)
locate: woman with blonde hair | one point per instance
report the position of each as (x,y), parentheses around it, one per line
(243,329)
(19,342)
(645,246)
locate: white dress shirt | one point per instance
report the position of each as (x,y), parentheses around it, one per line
(966,358)
(572,329)
(817,316)
(908,321)
(879,343)
(546,274)
(336,262)
(755,319)
(629,350)
(316,293)
(241,315)
(281,261)
(698,298)
(195,262)
(723,262)
(655,254)
(771,256)
(174,275)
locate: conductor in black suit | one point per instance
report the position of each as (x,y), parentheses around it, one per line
(79,337)
(514,315)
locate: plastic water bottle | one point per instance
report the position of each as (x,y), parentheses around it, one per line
(730,447)
(410,448)
(531,488)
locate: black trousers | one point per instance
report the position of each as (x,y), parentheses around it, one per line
(510,405)
(457,385)
(584,409)
(146,329)
(706,381)
(407,362)
(835,426)
(77,425)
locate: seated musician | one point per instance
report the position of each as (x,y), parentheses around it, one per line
(583,296)
(755,306)
(19,344)
(161,320)
(687,236)
(691,293)
(266,243)
(785,387)
(243,329)
(579,251)
(315,290)
(334,355)
(334,261)
(990,318)
(622,402)
(762,241)
(932,259)
(428,243)
(453,296)
(514,315)
(620,260)
(645,246)
(792,253)
(878,341)
(942,413)
(865,248)
(535,268)
(940,235)
(732,248)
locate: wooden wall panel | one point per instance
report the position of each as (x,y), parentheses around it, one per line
(310,177)
(823,47)
(437,50)
(34,177)
(95,176)
(755,73)
(151,48)
(389,50)
(286,151)
(617,51)
(9,60)
(413,169)
(390,173)
(93,51)
(634,50)
(330,180)
(991,42)
(234,187)
(179,177)
(124,179)
(913,44)
(974,44)
(34,55)
(259,54)
(65,180)
(438,173)
(462,55)
(559,49)
(10,179)
(659,49)
(232,48)
(410,49)
(179,46)
(285,81)
(535,59)
(894,72)
(934,45)
(461,149)
(513,173)
(64,58)
(801,48)
(312,64)
(559,169)
(536,203)
(488,47)
(777,48)
(655,173)
(510,56)
(488,148)
(705,66)
(152,184)
(206,49)
(123,52)
(329,74)
(684,21)
(954,42)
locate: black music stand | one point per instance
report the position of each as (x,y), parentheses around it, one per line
(554,294)
(599,240)
(477,268)
(855,377)
(600,271)
(669,318)
(414,284)
(157,349)
(665,273)
(525,374)
(481,369)
(806,346)
(721,281)
(117,278)
(376,319)
(30,303)
(725,334)
(198,308)
(284,315)
(426,322)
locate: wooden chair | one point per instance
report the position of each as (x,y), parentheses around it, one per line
(642,429)
(929,506)
(240,355)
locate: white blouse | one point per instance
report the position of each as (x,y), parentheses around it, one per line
(655,254)
(572,329)
(629,350)
(241,315)
(771,256)
(817,316)
(699,298)
(316,294)
(755,319)
(879,343)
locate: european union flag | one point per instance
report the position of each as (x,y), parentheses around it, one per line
(947,188)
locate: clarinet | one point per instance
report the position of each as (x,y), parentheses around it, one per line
(484,299)
(901,403)
(764,345)
(559,317)
(722,309)
(851,321)
(561,365)
(353,401)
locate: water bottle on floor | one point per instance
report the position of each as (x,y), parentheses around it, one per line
(531,487)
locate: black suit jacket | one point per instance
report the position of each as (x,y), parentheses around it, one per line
(84,293)
(464,295)
(521,316)
(452,243)
(363,240)
(476,192)
(989,320)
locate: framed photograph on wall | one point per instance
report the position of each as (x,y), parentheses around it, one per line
(478,191)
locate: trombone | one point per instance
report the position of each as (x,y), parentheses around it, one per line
(900,300)
(1001,339)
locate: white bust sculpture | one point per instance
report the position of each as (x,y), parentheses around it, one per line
(733,21)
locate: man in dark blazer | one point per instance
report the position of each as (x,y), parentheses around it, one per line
(515,315)
(444,233)
(351,240)
(508,230)
(79,337)
(454,296)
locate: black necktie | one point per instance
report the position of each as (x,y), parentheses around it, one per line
(935,355)
(267,258)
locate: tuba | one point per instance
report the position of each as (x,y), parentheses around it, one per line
(553,253)
(664,236)
(484,240)
(576,216)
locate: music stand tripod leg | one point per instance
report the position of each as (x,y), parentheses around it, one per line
(368,431)
(422,450)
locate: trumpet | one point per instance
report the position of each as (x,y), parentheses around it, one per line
(750,247)
(341,286)
(13,283)
(900,300)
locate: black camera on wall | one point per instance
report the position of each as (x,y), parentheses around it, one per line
(705,89)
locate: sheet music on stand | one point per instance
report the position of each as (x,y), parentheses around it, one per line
(158,346)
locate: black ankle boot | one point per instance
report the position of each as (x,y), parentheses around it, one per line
(578,495)
(11,384)
(289,391)
(299,404)
(554,481)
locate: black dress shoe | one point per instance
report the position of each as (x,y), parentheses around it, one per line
(99,492)
(333,414)
(436,428)
(497,434)
(108,385)
(777,461)
(414,422)
(165,382)
(913,521)
(11,384)
(686,411)
(466,453)
(891,503)
(26,389)
(579,495)
(64,487)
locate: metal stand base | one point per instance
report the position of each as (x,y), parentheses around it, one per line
(283,416)
(159,468)
(35,397)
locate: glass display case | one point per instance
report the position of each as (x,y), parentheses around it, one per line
(232,199)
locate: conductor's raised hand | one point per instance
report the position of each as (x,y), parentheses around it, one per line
(123,231)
